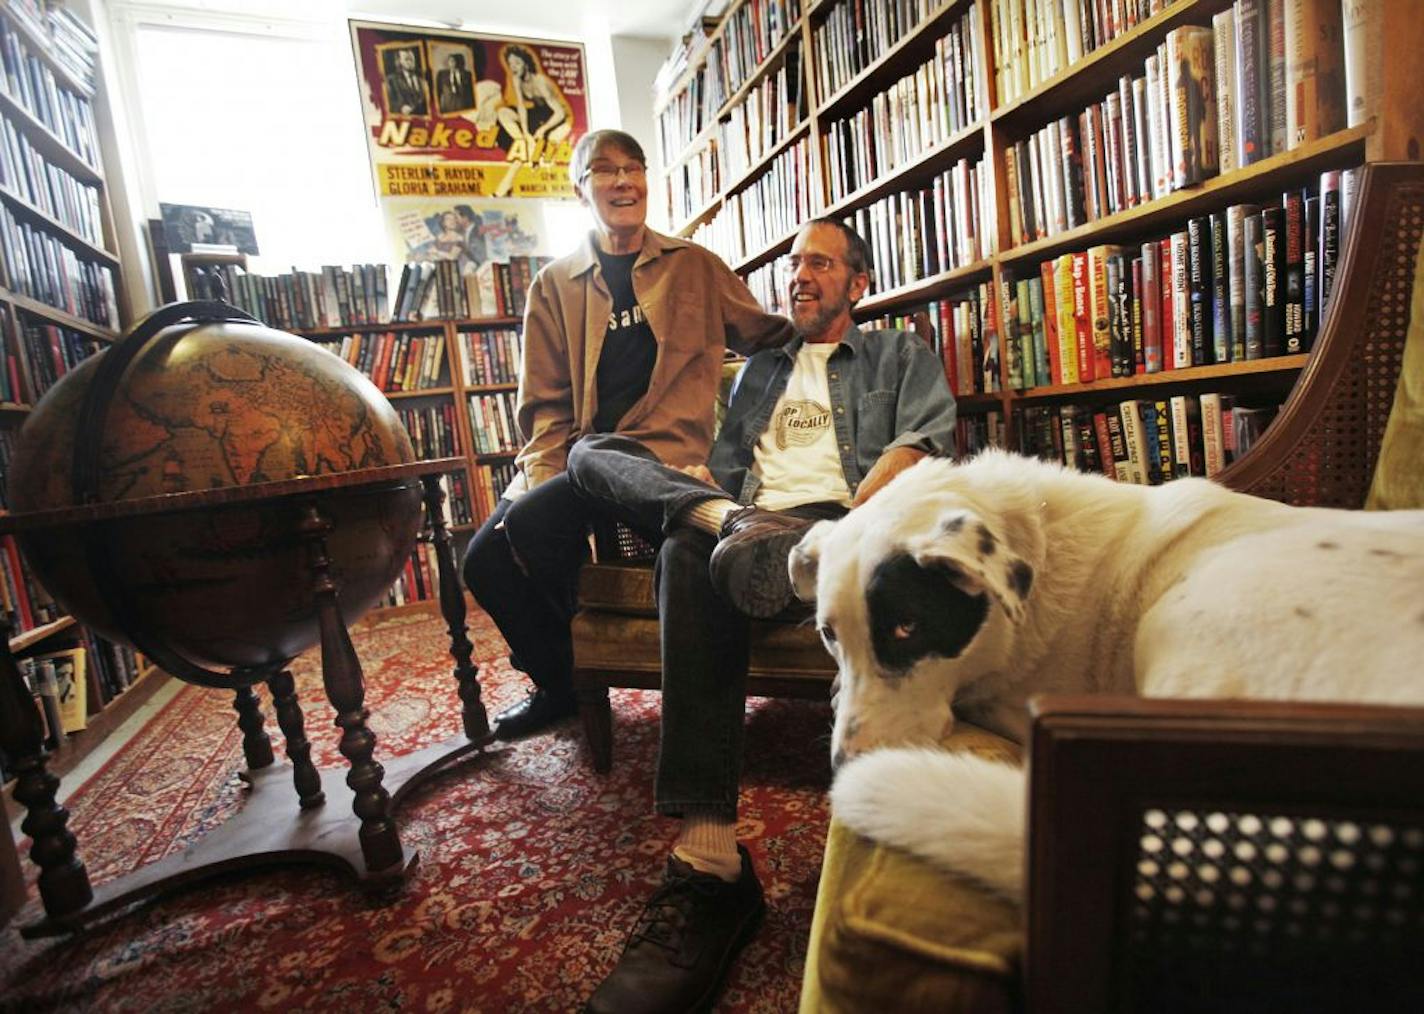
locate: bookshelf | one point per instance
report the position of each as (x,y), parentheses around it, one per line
(60,302)
(853,54)
(469,360)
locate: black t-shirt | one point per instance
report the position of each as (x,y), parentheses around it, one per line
(629,350)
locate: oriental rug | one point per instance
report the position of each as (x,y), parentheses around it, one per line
(532,867)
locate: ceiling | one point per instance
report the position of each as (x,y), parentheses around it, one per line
(661,19)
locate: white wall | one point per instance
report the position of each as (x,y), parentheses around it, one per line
(636,61)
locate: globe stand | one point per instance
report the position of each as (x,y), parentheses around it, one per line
(266,831)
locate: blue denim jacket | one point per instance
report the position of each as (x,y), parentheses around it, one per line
(887,390)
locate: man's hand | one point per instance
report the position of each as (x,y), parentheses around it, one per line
(891,464)
(700,472)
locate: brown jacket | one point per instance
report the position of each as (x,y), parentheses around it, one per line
(694,305)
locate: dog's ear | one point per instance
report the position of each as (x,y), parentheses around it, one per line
(977,559)
(805,558)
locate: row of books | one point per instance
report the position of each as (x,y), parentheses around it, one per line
(7,451)
(756,28)
(1146,441)
(771,112)
(24,601)
(1248,282)
(437,290)
(1035,40)
(32,84)
(419,580)
(490,356)
(490,482)
(301,300)
(1184,120)
(493,423)
(901,123)
(917,234)
(51,351)
(393,362)
(43,267)
(43,185)
(978,431)
(694,182)
(962,328)
(457,498)
(75,681)
(71,42)
(783,197)
(432,429)
(857,33)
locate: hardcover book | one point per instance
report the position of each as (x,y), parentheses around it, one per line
(1273,290)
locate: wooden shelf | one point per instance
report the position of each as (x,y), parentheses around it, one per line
(490,388)
(893,64)
(39,46)
(1284,365)
(48,143)
(345,329)
(57,316)
(1266,178)
(425,392)
(925,288)
(1090,78)
(22,642)
(979,402)
(494,455)
(793,31)
(26,210)
(699,216)
(926,165)
(768,252)
(475,323)
(14,408)
(760,165)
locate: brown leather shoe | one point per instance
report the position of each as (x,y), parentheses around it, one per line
(683,943)
(748,564)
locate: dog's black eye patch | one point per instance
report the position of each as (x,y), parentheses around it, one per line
(916,612)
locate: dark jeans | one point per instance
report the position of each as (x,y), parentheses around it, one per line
(704,638)
(547,528)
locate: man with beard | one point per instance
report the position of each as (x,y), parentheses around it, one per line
(813,430)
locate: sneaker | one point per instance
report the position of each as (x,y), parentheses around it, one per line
(748,565)
(683,943)
(535,713)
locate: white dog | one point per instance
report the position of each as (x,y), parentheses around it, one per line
(978,585)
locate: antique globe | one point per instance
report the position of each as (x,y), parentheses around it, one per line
(168,490)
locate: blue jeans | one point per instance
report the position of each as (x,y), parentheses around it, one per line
(704,638)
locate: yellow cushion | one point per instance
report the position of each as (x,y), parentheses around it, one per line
(892,933)
(1399,479)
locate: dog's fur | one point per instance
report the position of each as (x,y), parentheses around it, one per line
(980,584)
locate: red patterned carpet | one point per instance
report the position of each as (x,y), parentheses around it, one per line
(531,869)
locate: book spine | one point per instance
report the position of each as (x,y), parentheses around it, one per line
(1255,285)
(1309,245)
(1329,241)
(1220,291)
(1213,438)
(1293,277)
(1223,27)
(1273,252)
(1362,31)
(1100,301)
(1083,318)
(1276,50)
(1199,287)
(1252,81)
(1181,301)
(1151,308)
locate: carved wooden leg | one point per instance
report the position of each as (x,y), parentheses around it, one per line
(63,882)
(341,674)
(256,747)
(452,608)
(289,720)
(596,714)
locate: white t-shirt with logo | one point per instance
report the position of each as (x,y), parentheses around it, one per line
(796,458)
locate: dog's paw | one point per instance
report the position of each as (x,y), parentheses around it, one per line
(958,811)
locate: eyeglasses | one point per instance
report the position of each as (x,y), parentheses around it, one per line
(818,263)
(632,171)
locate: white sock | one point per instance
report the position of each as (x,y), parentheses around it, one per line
(709,845)
(708,515)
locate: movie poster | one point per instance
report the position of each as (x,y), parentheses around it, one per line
(456,114)
(473,232)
